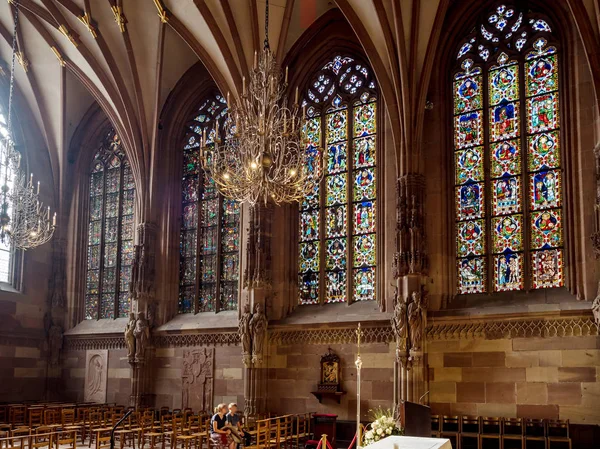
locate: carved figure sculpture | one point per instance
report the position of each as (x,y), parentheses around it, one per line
(596,307)
(400,327)
(95,373)
(142,335)
(129,337)
(258,327)
(245,335)
(416,320)
(55,342)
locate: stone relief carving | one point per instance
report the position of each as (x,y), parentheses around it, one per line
(129,337)
(96,370)
(141,332)
(197,379)
(400,328)
(411,257)
(258,327)
(245,335)
(417,316)
(596,307)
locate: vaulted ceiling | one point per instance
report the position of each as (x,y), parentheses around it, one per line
(127,55)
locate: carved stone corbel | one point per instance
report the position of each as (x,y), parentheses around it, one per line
(258,247)
(143,267)
(411,257)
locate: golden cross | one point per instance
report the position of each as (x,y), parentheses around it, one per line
(358,335)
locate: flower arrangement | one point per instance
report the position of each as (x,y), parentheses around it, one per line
(384,424)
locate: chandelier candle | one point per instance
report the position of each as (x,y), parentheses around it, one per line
(258,155)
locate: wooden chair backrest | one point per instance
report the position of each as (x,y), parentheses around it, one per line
(512,426)
(450,423)
(36,417)
(558,428)
(263,433)
(68,416)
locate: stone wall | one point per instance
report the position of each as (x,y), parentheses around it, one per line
(554,377)
(294,372)
(22,373)
(72,384)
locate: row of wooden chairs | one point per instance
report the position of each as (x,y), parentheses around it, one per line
(476,432)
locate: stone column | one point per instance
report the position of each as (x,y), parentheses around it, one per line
(253,327)
(410,266)
(143,314)
(596,234)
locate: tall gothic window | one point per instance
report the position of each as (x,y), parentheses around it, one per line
(337,220)
(509,218)
(6,251)
(110,232)
(210,238)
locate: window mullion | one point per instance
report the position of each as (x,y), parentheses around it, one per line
(119,249)
(219,271)
(102,241)
(349,204)
(488,184)
(199,227)
(323,211)
(524,177)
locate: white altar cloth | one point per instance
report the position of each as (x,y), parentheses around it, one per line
(397,442)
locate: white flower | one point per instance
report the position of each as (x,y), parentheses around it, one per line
(369,434)
(388,431)
(379,431)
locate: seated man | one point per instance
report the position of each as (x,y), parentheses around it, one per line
(233,420)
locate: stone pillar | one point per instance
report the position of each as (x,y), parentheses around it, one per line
(253,326)
(143,314)
(596,234)
(410,269)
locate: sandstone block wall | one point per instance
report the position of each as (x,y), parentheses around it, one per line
(556,377)
(294,372)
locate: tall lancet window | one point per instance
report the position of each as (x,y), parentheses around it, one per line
(210,237)
(337,253)
(6,250)
(507,153)
(110,232)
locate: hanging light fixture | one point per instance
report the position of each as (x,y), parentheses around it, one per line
(24,222)
(258,154)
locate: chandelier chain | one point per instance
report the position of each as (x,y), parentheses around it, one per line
(266,46)
(11,85)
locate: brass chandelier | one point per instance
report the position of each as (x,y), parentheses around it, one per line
(259,155)
(24,221)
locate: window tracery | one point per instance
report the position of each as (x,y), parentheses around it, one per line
(210,237)
(507,159)
(110,232)
(337,253)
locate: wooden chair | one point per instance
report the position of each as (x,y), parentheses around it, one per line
(491,430)
(68,422)
(512,433)
(261,435)
(149,433)
(66,438)
(103,442)
(301,434)
(451,430)
(20,437)
(128,432)
(558,434)
(36,417)
(535,433)
(470,431)
(17,415)
(43,438)
(435,426)
(51,418)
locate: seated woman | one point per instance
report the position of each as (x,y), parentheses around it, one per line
(219,433)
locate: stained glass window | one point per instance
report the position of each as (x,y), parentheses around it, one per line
(110,232)
(508,176)
(337,253)
(6,251)
(210,238)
